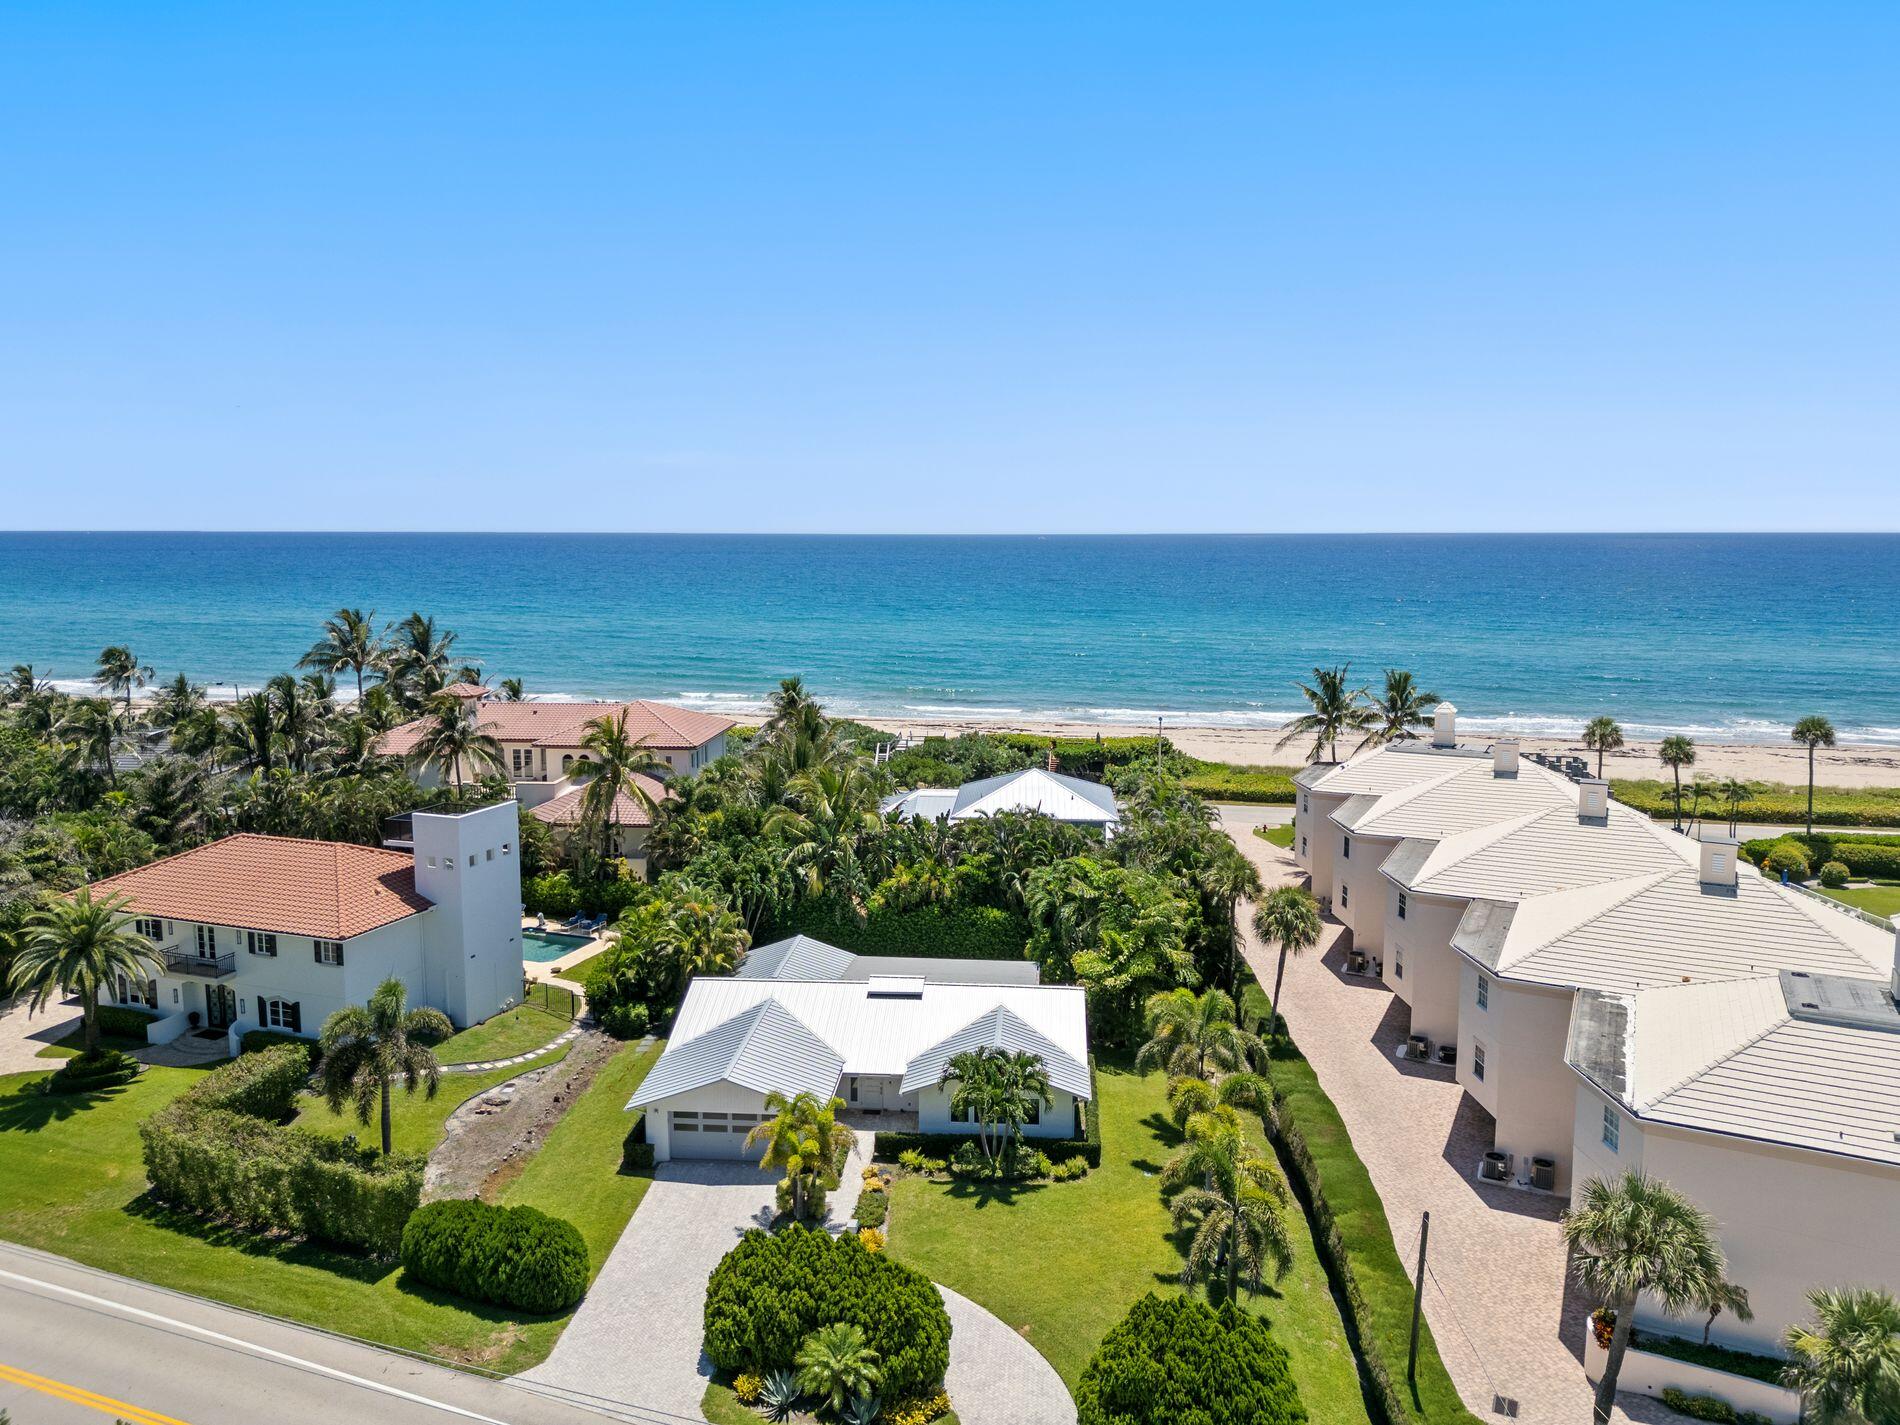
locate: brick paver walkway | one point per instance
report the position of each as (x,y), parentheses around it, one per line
(1496,1297)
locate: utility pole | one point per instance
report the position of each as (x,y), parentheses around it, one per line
(1158,745)
(1418,1301)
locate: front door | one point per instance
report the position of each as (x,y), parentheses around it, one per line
(220,1006)
(866,1093)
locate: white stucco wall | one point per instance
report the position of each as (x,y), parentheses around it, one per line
(468,865)
(1421,944)
(1527,1087)
(933,1116)
(1315,839)
(1360,893)
(713,1098)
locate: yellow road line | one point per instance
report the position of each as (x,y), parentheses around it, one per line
(92,1400)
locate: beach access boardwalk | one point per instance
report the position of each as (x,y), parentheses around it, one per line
(1498,1299)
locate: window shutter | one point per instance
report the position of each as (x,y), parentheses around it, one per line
(293,1017)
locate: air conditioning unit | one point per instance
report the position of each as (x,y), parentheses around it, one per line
(1544,1174)
(1417,1046)
(1496,1167)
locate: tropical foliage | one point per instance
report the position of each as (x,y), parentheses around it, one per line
(368,1049)
(804,1140)
(1175,1361)
(79,946)
(1846,1363)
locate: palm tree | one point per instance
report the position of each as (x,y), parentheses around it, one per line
(1232,1197)
(1601,735)
(801,1137)
(701,936)
(1187,1096)
(826,811)
(1699,790)
(1636,1234)
(416,659)
(366,1048)
(250,730)
(972,1080)
(1676,753)
(120,672)
(1812,732)
(1336,709)
(93,728)
(173,801)
(1847,1365)
(1022,1084)
(79,945)
(1400,709)
(179,701)
(1734,791)
(1290,916)
(1725,1296)
(1189,1034)
(298,718)
(512,690)
(23,685)
(348,641)
(617,765)
(835,1364)
(453,740)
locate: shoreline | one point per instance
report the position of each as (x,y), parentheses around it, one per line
(1848,765)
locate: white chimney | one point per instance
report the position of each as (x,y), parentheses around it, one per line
(1445,726)
(1593,799)
(1718,860)
(1504,757)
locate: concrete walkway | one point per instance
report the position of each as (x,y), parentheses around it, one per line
(996,1377)
(1496,1298)
(23,1034)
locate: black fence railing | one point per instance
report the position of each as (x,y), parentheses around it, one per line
(210,967)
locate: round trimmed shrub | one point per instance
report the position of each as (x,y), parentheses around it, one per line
(1789,856)
(1178,1362)
(90,1073)
(1834,875)
(512,1256)
(775,1289)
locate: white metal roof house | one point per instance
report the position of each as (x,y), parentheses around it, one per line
(881,1042)
(1034,789)
(803,958)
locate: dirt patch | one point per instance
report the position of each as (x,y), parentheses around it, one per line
(491,1138)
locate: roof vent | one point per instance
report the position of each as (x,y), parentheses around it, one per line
(894,987)
(1593,799)
(1445,726)
(1718,861)
(1504,757)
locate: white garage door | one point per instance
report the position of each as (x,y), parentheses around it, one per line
(699,1134)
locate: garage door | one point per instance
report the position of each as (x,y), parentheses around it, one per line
(712,1135)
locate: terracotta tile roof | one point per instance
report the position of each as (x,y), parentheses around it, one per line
(657,725)
(565,810)
(328,889)
(467,690)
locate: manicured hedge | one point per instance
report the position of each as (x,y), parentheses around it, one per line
(774,1289)
(1179,1362)
(1778,802)
(961,932)
(257,1040)
(1223,782)
(90,1073)
(272,1178)
(123,1021)
(1873,856)
(512,1256)
(262,1085)
(1716,1358)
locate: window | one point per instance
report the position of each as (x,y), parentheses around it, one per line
(1612,1128)
(471,858)
(1345,895)
(1401,905)
(959,1114)
(507,848)
(1484,992)
(260,943)
(522,759)
(150,927)
(1398,963)
(432,863)
(1306,802)
(489,854)
(1345,848)
(329,952)
(1477,1062)
(174,994)
(854,1088)
(208,940)
(281,1014)
(567,761)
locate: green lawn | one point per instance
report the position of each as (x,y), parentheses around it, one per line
(416,1120)
(1281,836)
(513,1031)
(72,1182)
(1099,1244)
(580,969)
(69,1045)
(1875,900)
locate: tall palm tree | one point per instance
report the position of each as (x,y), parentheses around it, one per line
(299,719)
(173,801)
(1022,1084)
(825,813)
(512,690)
(23,684)
(801,1137)
(250,730)
(1676,753)
(1230,1194)
(177,702)
(416,659)
(120,672)
(701,935)
(1290,916)
(1190,1034)
(1847,1365)
(1601,735)
(94,729)
(1700,790)
(1635,1234)
(618,765)
(974,1086)
(1734,791)
(1812,732)
(453,740)
(367,1048)
(349,641)
(1336,709)
(1399,710)
(835,1364)
(80,945)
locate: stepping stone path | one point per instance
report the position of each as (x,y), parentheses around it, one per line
(573,1033)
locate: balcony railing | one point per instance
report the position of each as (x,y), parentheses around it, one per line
(210,967)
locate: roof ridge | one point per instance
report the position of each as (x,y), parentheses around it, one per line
(1700,1069)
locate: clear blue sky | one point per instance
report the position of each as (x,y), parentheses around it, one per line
(965,266)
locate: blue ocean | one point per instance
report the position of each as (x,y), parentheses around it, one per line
(1722,636)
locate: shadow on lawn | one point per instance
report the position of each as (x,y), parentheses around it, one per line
(27,1109)
(981,1192)
(296,1251)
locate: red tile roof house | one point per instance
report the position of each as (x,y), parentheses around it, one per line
(631,819)
(279,933)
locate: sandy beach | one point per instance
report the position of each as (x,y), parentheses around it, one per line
(1843,766)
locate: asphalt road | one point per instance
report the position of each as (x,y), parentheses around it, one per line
(78,1347)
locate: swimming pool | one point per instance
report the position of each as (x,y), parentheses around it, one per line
(541,946)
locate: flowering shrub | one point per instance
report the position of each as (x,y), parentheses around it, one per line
(872,1239)
(1603,1326)
(748,1386)
(920,1411)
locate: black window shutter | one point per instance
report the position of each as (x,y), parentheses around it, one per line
(293,1017)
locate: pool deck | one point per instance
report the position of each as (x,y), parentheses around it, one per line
(549,969)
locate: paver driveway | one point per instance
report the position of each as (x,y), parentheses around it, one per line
(1496,1298)
(23,1034)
